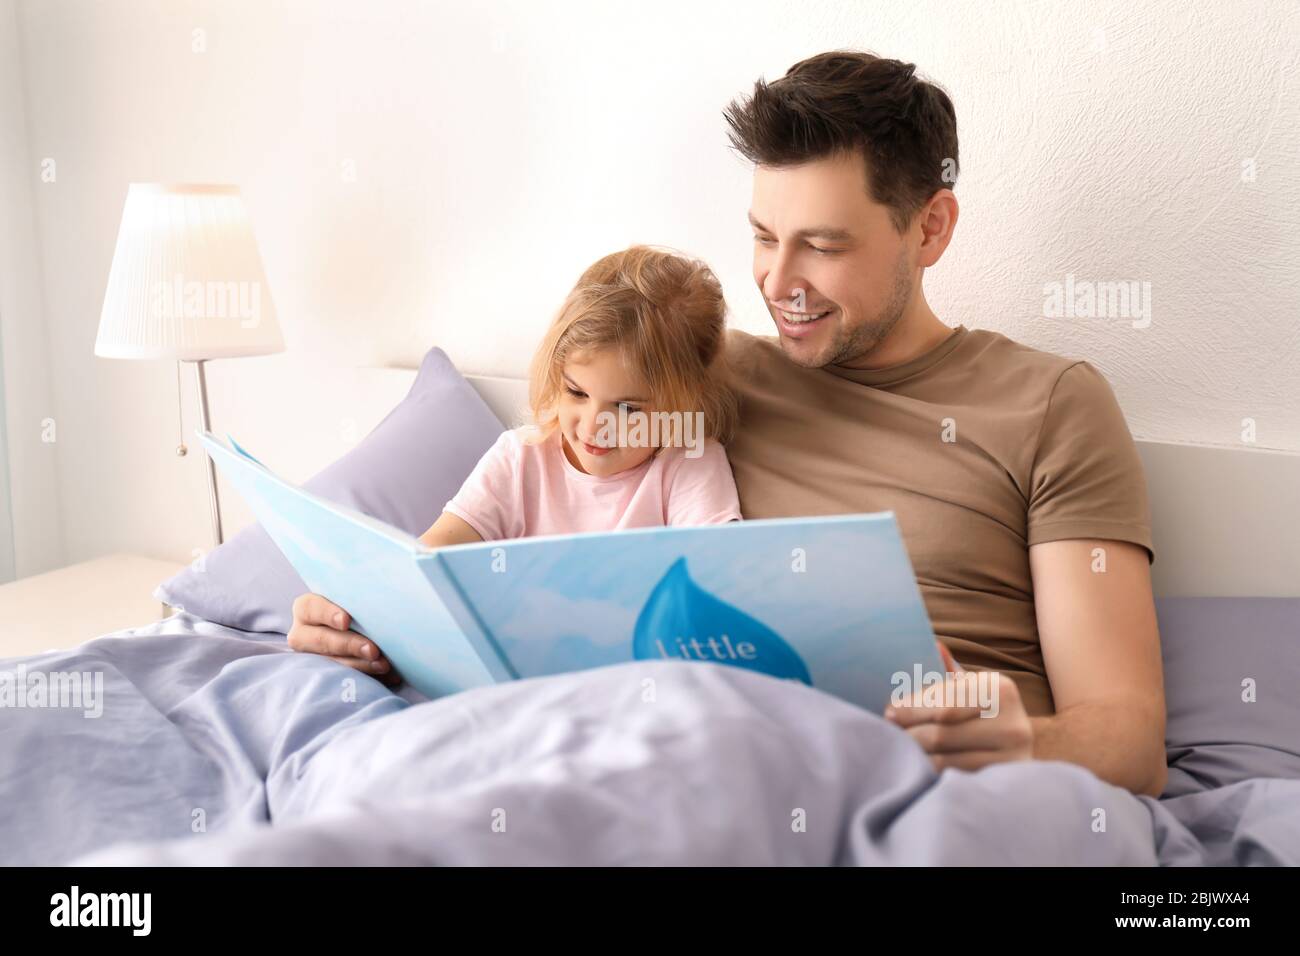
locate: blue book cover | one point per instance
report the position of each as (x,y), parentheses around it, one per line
(829,601)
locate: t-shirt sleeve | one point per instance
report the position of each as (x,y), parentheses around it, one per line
(1087,480)
(703,490)
(489,499)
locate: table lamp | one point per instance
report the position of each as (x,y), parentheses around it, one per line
(187,284)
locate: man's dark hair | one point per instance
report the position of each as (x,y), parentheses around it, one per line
(847,101)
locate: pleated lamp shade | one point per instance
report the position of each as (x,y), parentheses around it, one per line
(187,281)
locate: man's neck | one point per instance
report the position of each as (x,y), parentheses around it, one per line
(913,336)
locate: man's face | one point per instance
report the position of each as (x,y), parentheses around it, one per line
(835,274)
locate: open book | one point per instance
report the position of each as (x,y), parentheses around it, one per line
(829,601)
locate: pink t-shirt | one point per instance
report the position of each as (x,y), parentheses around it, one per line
(518,490)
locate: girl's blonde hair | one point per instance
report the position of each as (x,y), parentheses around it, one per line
(665,313)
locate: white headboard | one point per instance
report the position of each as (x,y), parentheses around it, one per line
(1226,520)
(507,397)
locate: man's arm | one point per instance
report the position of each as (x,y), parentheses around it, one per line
(1101,649)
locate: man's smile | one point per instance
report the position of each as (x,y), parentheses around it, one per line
(797,324)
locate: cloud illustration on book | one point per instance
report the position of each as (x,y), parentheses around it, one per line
(544,616)
(682,620)
(289,534)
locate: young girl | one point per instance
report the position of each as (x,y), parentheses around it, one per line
(630,406)
(640,335)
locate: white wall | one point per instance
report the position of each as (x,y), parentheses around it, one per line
(499,147)
(31,531)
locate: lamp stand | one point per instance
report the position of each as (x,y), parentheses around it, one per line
(212,465)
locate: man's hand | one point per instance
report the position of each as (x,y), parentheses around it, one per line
(321,627)
(957,736)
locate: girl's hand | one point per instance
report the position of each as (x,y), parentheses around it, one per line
(322,627)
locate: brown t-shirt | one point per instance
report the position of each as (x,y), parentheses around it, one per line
(981,447)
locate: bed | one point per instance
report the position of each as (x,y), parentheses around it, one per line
(198,742)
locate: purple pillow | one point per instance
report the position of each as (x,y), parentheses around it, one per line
(1218,654)
(403,472)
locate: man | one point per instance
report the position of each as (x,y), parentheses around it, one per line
(1015,481)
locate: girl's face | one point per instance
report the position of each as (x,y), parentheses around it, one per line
(596,382)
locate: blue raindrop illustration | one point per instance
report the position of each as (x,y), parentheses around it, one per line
(682,620)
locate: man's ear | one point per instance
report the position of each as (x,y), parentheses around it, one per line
(937,220)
